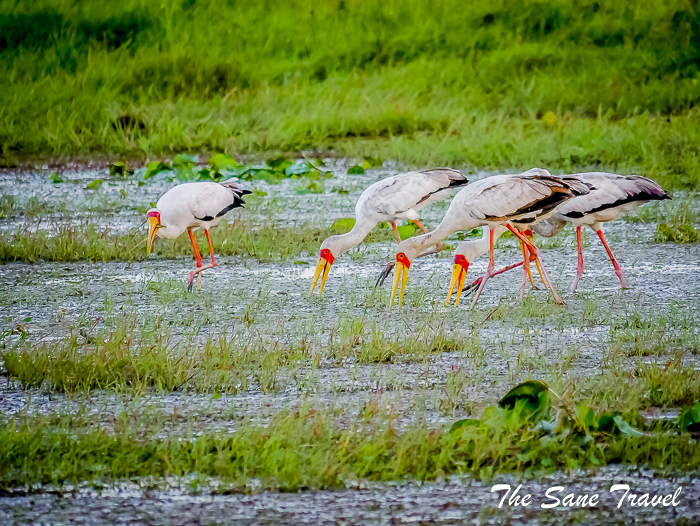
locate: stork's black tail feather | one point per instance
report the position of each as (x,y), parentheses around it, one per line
(238,192)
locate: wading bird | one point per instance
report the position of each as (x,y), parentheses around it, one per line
(502,200)
(612,196)
(189,207)
(398,197)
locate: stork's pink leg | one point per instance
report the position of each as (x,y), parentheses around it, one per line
(537,255)
(396,232)
(579,268)
(478,281)
(526,268)
(200,267)
(618,270)
(489,270)
(197,257)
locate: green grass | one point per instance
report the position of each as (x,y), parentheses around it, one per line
(463,84)
(87,243)
(308,448)
(128,355)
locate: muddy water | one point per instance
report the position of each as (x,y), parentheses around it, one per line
(458,501)
(52,300)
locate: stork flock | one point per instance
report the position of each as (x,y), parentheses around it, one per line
(522,203)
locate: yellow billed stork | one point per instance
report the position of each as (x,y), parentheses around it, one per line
(397,197)
(501,200)
(612,196)
(189,207)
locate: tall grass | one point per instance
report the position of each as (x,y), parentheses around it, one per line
(89,243)
(596,83)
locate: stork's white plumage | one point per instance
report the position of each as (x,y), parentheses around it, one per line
(189,207)
(501,200)
(398,197)
(613,196)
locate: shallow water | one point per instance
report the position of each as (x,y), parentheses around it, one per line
(458,501)
(49,301)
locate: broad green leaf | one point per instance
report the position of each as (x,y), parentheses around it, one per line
(344,225)
(627,429)
(259,193)
(55,178)
(279,164)
(94,184)
(155,168)
(221,161)
(185,173)
(372,162)
(208,175)
(216,396)
(689,419)
(123,192)
(119,169)
(534,393)
(356,170)
(298,168)
(606,423)
(587,416)
(185,160)
(406,231)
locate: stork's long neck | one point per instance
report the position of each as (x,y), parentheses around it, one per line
(353,238)
(482,245)
(479,247)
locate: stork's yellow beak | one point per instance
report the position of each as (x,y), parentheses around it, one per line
(400,273)
(459,274)
(324,266)
(153,226)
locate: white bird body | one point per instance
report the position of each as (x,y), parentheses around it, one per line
(400,196)
(189,207)
(612,196)
(494,202)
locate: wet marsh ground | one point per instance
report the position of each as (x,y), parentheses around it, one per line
(111,351)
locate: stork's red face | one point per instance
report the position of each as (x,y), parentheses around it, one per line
(325,260)
(403,265)
(459,274)
(153,218)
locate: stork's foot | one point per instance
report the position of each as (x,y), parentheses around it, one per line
(190,282)
(385,273)
(468,289)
